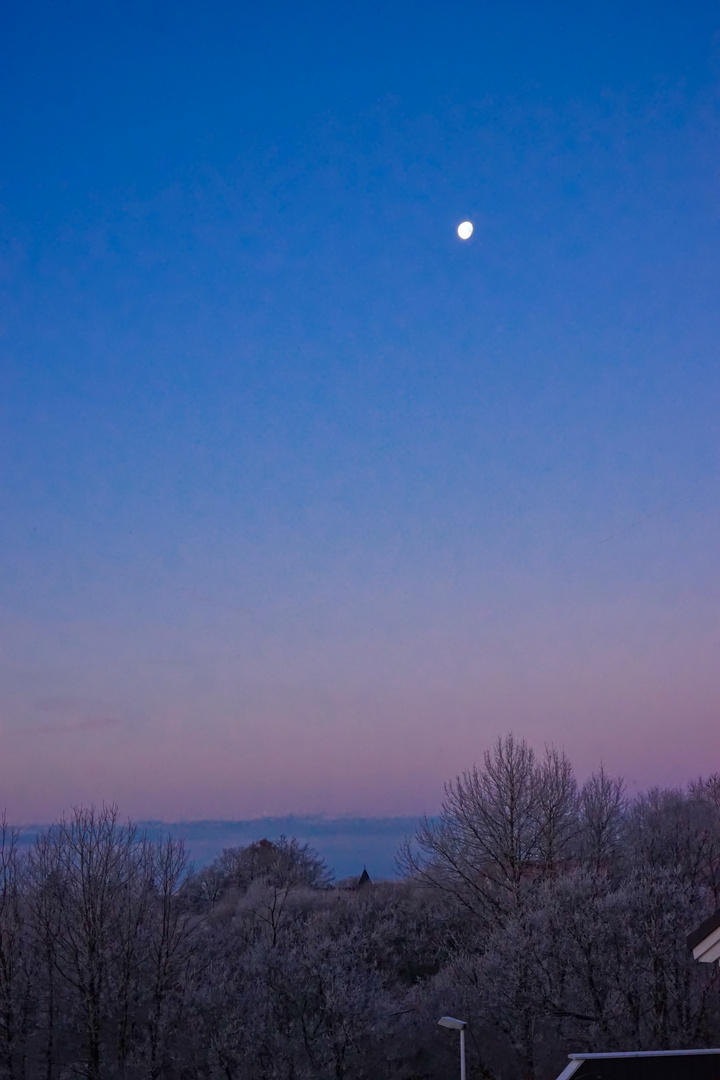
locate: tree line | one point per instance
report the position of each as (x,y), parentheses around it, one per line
(551,916)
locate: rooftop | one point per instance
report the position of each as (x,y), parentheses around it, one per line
(645,1065)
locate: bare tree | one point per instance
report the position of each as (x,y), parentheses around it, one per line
(45,921)
(125,974)
(284,861)
(500,826)
(274,880)
(603,810)
(556,809)
(679,831)
(171,941)
(88,863)
(15,974)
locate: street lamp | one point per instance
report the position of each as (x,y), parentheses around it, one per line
(456,1025)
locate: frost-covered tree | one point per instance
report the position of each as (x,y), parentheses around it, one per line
(502,825)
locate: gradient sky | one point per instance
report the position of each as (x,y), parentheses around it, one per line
(304,500)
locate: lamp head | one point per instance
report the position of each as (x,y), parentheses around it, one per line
(451,1022)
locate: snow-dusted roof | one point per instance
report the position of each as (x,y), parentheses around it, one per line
(705,940)
(645,1065)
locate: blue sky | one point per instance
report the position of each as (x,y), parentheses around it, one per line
(304,500)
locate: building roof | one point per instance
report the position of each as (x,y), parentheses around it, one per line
(645,1065)
(704,930)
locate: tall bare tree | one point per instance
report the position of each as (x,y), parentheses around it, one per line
(172,929)
(16,989)
(89,862)
(603,812)
(499,826)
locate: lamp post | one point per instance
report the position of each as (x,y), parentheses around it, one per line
(456,1025)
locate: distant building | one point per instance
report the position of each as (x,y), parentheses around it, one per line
(363,880)
(354,884)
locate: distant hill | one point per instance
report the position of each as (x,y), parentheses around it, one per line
(347,844)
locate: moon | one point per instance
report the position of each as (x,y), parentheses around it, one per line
(465,230)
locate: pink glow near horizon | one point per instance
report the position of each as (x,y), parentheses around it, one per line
(355,732)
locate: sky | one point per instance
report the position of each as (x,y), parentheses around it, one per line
(303,500)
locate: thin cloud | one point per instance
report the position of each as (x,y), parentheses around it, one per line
(89,724)
(70,715)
